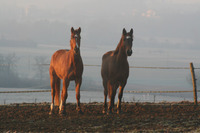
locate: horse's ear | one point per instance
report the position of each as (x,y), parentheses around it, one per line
(72,30)
(79,30)
(124,31)
(131,31)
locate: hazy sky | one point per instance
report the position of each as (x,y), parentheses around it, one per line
(156,23)
(159,24)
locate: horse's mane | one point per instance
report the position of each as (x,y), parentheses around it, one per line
(118,47)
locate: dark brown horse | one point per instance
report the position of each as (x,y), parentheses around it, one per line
(66,65)
(115,70)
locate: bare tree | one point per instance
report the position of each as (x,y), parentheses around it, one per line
(41,68)
(10,62)
(8,74)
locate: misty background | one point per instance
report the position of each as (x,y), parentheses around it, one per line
(166,33)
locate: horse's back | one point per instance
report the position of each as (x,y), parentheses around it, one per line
(111,69)
(62,65)
(57,55)
(106,60)
(57,60)
(107,55)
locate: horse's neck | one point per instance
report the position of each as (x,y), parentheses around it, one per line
(74,57)
(120,52)
(118,47)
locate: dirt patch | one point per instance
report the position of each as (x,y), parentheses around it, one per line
(169,117)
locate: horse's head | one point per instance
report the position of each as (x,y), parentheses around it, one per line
(128,41)
(75,40)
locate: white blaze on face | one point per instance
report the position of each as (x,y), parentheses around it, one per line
(76,36)
(127,37)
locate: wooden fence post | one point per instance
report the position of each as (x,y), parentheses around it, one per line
(194,83)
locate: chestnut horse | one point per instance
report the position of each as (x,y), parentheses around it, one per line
(66,65)
(115,71)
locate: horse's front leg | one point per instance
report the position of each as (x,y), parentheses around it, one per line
(78,83)
(112,93)
(121,88)
(64,96)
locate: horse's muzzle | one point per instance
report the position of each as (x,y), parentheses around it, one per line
(129,52)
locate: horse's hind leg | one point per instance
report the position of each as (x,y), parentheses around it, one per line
(64,96)
(112,101)
(57,91)
(52,82)
(78,83)
(105,96)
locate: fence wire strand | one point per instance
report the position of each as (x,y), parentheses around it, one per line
(126,91)
(91,65)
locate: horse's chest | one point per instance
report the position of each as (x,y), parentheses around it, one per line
(71,75)
(75,72)
(71,72)
(120,74)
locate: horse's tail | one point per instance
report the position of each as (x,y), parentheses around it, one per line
(57,92)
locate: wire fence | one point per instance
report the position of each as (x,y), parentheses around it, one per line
(143,67)
(93,65)
(126,91)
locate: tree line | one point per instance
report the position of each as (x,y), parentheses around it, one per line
(9,76)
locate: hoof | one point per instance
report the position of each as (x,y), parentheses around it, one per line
(80,112)
(104,111)
(62,113)
(109,113)
(119,112)
(51,113)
